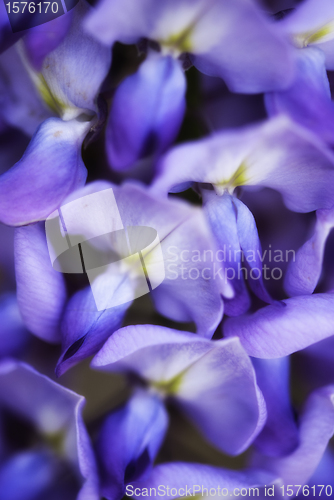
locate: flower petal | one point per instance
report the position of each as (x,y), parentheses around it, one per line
(230,39)
(221,214)
(213,382)
(129,441)
(49,170)
(307,100)
(13,334)
(311,23)
(52,408)
(277,154)
(72,74)
(304,271)
(40,40)
(244,49)
(280,434)
(85,329)
(275,331)
(316,427)
(251,247)
(182,240)
(41,291)
(147,112)
(27,475)
(21,103)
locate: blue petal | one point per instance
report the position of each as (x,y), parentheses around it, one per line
(40,40)
(221,213)
(304,271)
(21,103)
(85,329)
(247,45)
(235,230)
(307,100)
(316,427)
(230,39)
(13,334)
(275,331)
(49,170)
(212,382)
(41,291)
(52,409)
(129,441)
(147,112)
(250,244)
(279,435)
(27,475)
(278,154)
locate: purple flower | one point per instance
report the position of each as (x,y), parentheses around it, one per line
(189,292)
(212,382)
(276,154)
(279,436)
(275,331)
(51,166)
(308,100)
(304,272)
(13,334)
(55,413)
(227,39)
(129,441)
(230,39)
(147,111)
(316,427)
(41,292)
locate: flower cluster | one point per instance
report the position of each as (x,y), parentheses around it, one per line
(166,207)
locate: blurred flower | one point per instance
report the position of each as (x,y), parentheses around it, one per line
(51,166)
(60,461)
(213,382)
(310,27)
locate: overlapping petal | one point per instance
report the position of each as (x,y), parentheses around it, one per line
(277,154)
(245,70)
(84,329)
(312,23)
(72,74)
(190,291)
(279,436)
(305,270)
(40,40)
(27,475)
(238,242)
(316,427)
(49,170)
(54,410)
(13,334)
(307,101)
(212,382)
(41,291)
(229,39)
(147,112)
(129,441)
(275,331)
(21,104)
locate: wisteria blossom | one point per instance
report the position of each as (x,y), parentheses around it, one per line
(166,249)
